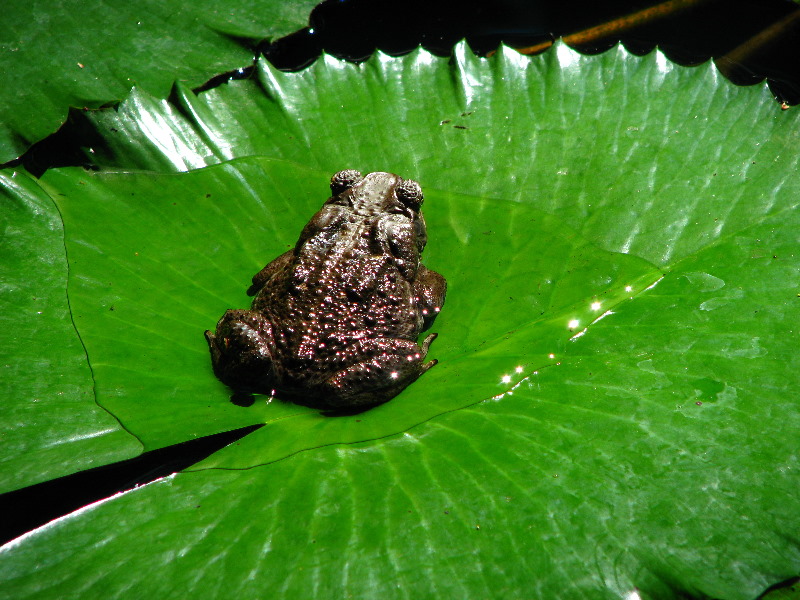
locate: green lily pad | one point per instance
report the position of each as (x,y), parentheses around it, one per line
(616,146)
(651,456)
(141,307)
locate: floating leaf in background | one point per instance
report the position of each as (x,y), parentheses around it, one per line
(89,56)
(657,451)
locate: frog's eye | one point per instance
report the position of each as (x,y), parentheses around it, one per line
(409,193)
(343,180)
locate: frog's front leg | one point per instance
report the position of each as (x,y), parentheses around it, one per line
(261,278)
(430,289)
(242,350)
(390,366)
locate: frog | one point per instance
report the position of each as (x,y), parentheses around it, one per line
(335,320)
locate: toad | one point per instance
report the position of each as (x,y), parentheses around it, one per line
(335,320)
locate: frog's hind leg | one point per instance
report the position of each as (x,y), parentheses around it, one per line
(242,350)
(394,365)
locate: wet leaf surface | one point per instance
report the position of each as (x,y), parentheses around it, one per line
(654,450)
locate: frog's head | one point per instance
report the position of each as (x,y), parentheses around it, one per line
(377,193)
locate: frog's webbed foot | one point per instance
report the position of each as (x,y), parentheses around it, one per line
(426,344)
(241,351)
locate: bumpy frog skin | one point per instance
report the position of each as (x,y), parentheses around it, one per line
(335,320)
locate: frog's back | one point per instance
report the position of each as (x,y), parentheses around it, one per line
(339,290)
